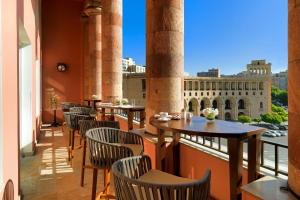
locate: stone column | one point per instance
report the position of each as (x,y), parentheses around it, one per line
(294,95)
(165,57)
(112,49)
(93,61)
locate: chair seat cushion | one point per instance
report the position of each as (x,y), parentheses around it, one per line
(136,148)
(157,176)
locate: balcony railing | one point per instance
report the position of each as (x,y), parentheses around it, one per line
(220,145)
(136,115)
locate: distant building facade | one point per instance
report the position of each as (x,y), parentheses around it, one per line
(129,66)
(280,80)
(126,62)
(248,93)
(214,72)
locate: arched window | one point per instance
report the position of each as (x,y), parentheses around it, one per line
(215,104)
(227,104)
(202,105)
(241,104)
(261,105)
(190,106)
(241,113)
(227,116)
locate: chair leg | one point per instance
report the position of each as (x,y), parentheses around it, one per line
(63,126)
(94,186)
(73,139)
(70,143)
(83,163)
(105,194)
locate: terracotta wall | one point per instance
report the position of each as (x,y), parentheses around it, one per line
(62,41)
(196,162)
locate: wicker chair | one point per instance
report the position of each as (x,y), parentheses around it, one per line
(107,145)
(73,125)
(67,105)
(84,110)
(135,180)
(8,193)
(86,125)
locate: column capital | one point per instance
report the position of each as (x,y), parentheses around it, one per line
(92,7)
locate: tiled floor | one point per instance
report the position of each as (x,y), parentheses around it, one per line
(49,176)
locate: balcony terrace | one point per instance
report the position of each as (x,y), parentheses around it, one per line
(58,51)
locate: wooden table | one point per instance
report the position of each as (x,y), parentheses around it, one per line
(234,132)
(93,101)
(130,110)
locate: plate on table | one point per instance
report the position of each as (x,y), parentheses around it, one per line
(165,119)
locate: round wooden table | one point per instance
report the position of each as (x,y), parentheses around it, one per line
(234,132)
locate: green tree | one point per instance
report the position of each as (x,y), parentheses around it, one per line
(244,119)
(279,96)
(258,119)
(280,111)
(273,118)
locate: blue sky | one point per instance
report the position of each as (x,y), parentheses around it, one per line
(218,33)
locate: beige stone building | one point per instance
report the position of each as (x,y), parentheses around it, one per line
(246,93)
(280,80)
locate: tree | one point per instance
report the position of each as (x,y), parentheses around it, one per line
(279,97)
(273,118)
(244,119)
(258,119)
(280,111)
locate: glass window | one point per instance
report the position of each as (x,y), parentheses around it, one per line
(190,85)
(196,85)
(201,85)
(144,84)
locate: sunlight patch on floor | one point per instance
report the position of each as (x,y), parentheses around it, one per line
(55,161)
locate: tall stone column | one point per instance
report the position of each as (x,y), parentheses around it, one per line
(112,49)
(294,95)
(93,58)
(165,57)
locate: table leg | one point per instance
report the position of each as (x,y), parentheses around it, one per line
(176,154)
(254,153)
(142,119)
(103,114)
(160,150)
(235,151)
(130,120)
(112,114)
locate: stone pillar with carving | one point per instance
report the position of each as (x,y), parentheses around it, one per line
(294,95)
(93,57)
(165,57)
(112,49)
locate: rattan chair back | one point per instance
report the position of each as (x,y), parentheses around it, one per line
(104,145)
(86,125)
(126,173)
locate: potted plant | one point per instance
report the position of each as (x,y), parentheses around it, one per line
(53,104)
(210,114)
